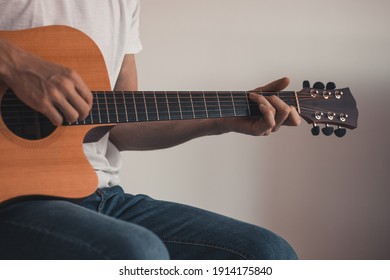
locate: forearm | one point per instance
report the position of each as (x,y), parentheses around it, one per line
(164,134)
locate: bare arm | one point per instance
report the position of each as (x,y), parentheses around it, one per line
(49,88)
(157,135)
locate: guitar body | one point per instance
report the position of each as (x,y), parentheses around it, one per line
(54,165)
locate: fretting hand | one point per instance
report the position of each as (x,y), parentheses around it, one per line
(275,112)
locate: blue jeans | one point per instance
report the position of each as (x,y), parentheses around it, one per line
(111,224)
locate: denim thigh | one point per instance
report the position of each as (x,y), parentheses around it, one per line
(48,228)
(189,232)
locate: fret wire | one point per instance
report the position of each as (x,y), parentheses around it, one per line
(297,102)
(169,111)
(162,105)
(91,111)
(135,107)
(205,105)
(178,100)
(219,105)
(124,102)
(247,102)
(146,108)
(192,105)
(97,101)
(108,115)
(155,102)
(234,105)
(116,108)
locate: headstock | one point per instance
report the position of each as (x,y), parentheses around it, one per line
(329,106)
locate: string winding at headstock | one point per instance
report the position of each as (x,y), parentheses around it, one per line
(329,106)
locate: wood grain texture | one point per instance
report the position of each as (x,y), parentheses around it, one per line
(55,165)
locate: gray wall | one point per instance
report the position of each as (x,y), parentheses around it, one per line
(328,197)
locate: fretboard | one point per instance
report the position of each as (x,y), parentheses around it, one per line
(142,106)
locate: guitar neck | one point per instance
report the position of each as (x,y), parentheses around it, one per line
(110,107)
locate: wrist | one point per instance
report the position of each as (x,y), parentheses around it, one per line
(8,61)
(220,126)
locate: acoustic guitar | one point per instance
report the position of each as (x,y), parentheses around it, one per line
(38,158)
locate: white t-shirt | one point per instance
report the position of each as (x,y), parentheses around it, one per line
(112,24)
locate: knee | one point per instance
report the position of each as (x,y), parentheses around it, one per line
(270,246)
(143,245)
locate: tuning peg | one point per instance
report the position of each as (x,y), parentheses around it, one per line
(318,85)
(340,132)
(327,130)
(306,84)
(330,86)
(315,130)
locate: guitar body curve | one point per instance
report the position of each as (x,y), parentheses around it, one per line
(56,164)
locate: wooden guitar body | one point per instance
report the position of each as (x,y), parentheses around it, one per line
(55,165)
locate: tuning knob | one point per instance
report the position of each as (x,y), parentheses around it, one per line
(330,86)
(340,132)
(306,84)
(327,130)
(315,130)
(318,85)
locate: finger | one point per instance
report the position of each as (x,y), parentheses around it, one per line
(70,102)
(294,119)
(282,111)
(267,122)
(276,85)
(68,110)
(51,112)
(79,104)
(83,90)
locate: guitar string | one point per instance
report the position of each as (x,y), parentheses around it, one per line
(182,102)
(211,114)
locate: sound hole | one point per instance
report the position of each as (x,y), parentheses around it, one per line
(22,120)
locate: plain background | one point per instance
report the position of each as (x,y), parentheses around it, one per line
(329,197)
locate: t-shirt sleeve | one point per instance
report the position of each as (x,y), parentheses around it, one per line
(133,44)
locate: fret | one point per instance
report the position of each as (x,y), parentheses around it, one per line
(192,106)
(169,110)
(140,106)
(219,104)
(240,103)
(120,107)
(110,103)
(162,105)
(98,107)
(173,104)
(146,108)
(226,105)
(93,109)
(178,101)
(150,105)
(131,112)
(297,102)
(247,103)
(106,105)
(135,106)
(155,103)
(234,105)
(205,105)
(185,105)
(116,107)
(102,105)
(213,110)
(125,106)
(199,105)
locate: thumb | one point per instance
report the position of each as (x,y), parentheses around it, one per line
(277,85)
